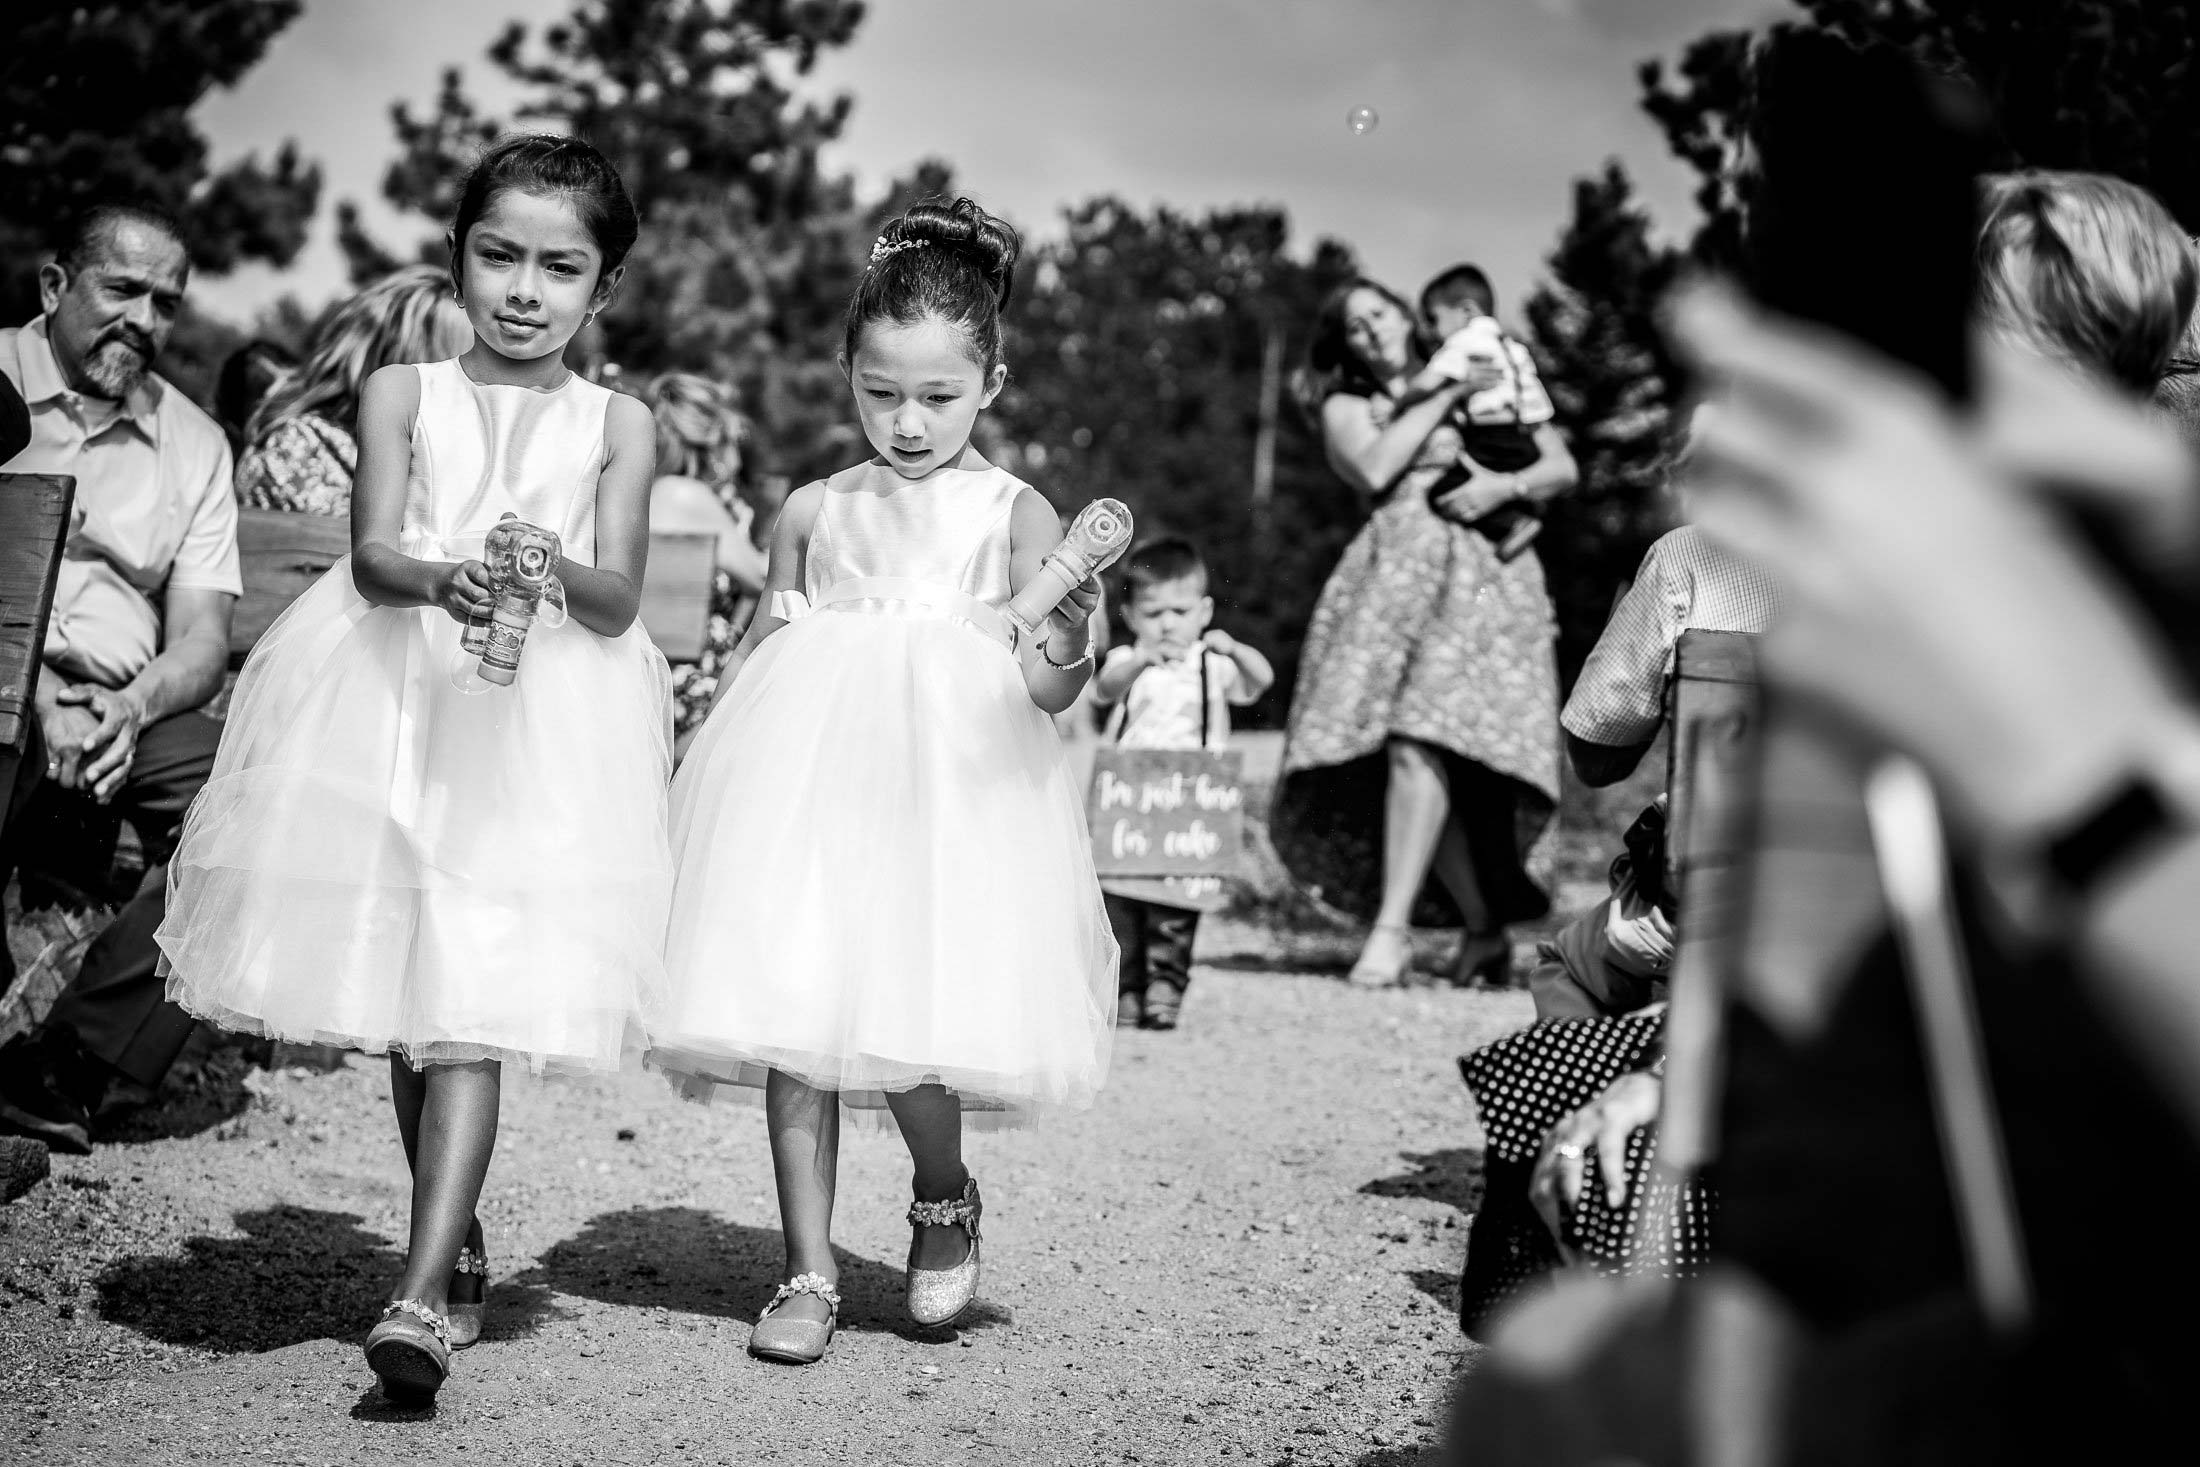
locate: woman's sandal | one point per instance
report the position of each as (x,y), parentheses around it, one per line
(795,1341)
(938,1296)
(1485,958)
(410,1351)
(1370,974)
(472,1272)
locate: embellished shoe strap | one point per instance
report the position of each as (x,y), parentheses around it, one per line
(958,1212)
(471,1262)
(434,1321)
(804,1283)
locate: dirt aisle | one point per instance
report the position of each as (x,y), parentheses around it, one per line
(1248,1252)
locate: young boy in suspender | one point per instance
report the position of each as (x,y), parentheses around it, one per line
(1171,688)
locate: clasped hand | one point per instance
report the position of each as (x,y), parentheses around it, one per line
(91,736)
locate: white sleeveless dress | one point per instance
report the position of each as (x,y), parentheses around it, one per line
(884,878)
(382,861)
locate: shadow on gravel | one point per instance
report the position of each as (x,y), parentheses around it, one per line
(1400,1457)
(204,1087)
(1452,1176)
(298,1274)
(1438,1285)
(695,1262)
(374,1406)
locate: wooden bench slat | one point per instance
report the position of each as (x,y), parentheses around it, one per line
(34,531)
(280,554)
(1714,718)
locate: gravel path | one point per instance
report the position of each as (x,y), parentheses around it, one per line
(1247,1253)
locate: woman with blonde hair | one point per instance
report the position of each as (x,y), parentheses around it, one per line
(303,452)
(2085,269)
(699,437)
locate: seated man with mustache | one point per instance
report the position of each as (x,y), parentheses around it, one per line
(136,646)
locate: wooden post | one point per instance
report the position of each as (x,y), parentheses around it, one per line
(1264,442)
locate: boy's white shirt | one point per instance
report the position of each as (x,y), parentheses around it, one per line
(1519,399)
(1165,704)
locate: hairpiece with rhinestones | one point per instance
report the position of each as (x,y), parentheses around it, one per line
(880,249)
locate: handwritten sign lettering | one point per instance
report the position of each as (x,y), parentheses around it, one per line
(1167,826)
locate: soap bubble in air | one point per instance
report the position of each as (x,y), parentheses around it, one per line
(1362,120)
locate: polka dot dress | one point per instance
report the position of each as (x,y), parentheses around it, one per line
(1523,1085)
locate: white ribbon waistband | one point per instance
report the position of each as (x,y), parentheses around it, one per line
(899,596)
(427,544)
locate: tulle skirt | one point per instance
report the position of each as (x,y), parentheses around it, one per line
(884,879)
(382,861)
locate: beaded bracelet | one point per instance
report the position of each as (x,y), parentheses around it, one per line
(1070,666)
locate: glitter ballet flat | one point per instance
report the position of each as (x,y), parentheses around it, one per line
(795,1341)
(410,1351)
(938,1296)
(466,1317)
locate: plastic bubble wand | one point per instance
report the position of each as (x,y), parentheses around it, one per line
(1096,539)
(522,560)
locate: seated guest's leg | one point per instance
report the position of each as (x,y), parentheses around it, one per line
(20,777)
(117,1008)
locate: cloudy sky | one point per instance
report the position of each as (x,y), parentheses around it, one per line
(1488,109)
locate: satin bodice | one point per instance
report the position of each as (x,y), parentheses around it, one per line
(950,530)
(480,450)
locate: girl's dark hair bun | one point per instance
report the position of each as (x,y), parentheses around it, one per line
(953,262)
(964,229)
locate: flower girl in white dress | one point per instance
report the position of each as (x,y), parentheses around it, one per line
(384,860)
(885,896)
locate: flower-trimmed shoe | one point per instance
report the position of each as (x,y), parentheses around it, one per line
(795,1341)
(466,1315)
(410,1351)
(938,1296)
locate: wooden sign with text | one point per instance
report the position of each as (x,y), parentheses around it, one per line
(1167,825)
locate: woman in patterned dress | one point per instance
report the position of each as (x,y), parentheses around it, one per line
(1423,735)
(303,453)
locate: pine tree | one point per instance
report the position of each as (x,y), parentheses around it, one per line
(750,246)
(2107,86)
(95,106)
(1609,377)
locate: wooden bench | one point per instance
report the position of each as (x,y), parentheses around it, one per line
(34,529)
(34,532)
(282,554)
(1714,712)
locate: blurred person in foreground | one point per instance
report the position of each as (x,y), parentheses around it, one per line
(1421,735)
(303,438)
(1942,601)
(135,647)
(697,492)
(2177,395)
